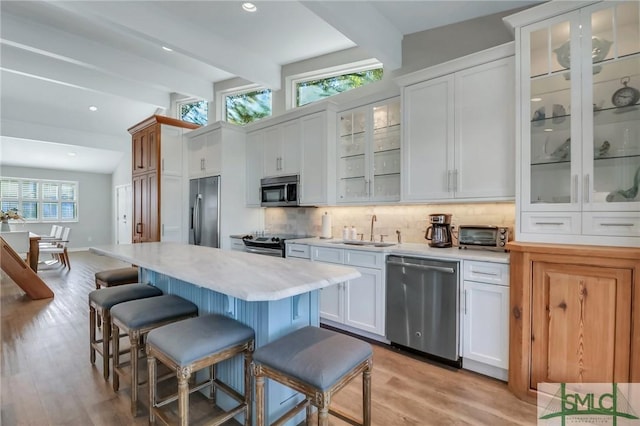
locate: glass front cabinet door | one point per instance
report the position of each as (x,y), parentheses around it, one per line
(369,153)
(580,126)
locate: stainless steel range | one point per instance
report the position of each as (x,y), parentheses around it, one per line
(269,245)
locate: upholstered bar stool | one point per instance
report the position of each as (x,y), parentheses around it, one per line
(100,304)
(115,277)
(191,345)
(136,319)
(317,363)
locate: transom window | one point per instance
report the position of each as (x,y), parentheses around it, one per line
(312,87)
(40,200)
(194,111)
(245,107)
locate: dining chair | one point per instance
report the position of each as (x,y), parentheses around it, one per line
(52,239)
(59,249)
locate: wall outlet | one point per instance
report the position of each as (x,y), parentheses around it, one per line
(89,238)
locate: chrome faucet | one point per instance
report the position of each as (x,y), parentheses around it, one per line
(373,219)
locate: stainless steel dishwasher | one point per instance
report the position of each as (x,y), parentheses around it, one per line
(423,305)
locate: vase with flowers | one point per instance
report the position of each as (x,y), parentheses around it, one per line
(5,216)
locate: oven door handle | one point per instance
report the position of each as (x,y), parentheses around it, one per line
(423,267)
(268,252)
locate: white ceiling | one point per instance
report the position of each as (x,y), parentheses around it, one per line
(59,57)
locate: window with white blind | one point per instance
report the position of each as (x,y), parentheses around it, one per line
(40,200)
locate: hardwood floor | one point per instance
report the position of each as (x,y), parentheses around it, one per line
(47,379)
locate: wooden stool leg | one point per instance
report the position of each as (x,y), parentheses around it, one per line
(115,343)
(366,396)
(92,334)
(323,416)
(309,414)
(106,335)
(183,394)
(134,338)
(259,400)
(212,389)
(247,387)
(151,364)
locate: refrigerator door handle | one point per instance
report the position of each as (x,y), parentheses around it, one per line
(196,220)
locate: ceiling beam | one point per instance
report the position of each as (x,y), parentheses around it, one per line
(28,63)
(101,58)
(363,24)
(139,20)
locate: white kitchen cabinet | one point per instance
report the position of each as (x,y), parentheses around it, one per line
(300,142)
(254,168)
(485,334)
(579,159)
(356,305)
(237,244)
(458,129)
(282,149)
(300,251)
(317,171)
(204,154)
(172,192)
(368,155)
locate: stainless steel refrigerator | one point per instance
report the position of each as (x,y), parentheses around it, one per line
(204,211)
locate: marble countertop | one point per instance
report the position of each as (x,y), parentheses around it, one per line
(413,249)
(247,276)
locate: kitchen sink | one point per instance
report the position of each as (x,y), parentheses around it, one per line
(364,243)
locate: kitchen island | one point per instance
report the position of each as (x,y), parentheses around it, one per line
(274,296)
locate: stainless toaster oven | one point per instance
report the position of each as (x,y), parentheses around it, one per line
(483,236)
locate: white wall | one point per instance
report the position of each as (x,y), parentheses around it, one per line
(95,214)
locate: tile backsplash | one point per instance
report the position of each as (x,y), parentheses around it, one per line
(411,220)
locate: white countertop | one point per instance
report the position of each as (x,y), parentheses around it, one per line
(413,249)
(247,276)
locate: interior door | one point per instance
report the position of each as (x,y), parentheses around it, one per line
(124,212)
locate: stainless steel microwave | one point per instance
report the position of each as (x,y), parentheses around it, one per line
(280,191)
(483,236)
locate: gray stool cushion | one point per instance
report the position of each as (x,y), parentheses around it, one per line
(118,276)
(108,297)
(195,338)
(313,355)
(139,313)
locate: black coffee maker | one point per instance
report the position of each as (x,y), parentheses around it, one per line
(439,232)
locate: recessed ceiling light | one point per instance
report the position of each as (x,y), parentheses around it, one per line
(168,49)
(536,99)
(71,154)
(93,108)
(548,130)
(249,7)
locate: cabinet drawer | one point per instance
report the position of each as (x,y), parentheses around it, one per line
(551,223)
(237,244)
(486,272)
(326,254)
(619,224)
(364,258)
(298,250)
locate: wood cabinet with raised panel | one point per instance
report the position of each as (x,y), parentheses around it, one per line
(574,315)
(157,173)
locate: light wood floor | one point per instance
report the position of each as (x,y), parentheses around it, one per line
(47,379)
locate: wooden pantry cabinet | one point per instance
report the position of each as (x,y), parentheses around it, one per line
(574,315)
(157,178)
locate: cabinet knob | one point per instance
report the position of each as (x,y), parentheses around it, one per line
(516,313)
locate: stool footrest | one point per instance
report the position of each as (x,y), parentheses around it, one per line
(174,397)
(344,417)
(291,413)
